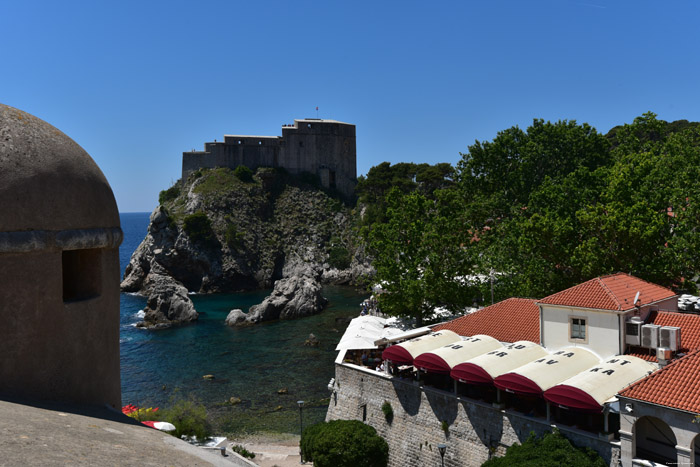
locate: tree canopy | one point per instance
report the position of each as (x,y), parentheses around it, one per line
(546,208)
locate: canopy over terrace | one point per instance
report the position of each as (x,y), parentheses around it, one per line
(404,353)
(362,332)
(484,368)
(442,360)
(588,391)
(536,377)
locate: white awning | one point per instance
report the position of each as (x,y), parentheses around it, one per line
(407,351)
(540,375)
(442,360)
(484,368)
(404,335)
(592,388)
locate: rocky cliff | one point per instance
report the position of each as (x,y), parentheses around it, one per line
(227,231)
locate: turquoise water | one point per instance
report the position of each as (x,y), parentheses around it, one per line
(250,363)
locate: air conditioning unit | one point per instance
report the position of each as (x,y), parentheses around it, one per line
(670,337)
(633,332)
(650,336)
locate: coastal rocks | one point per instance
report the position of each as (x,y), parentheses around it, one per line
(293,297)
(167,304)
(312,341)
(236,318)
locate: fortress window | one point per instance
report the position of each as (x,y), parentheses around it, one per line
(308,125)
(240,141)
(301,144)
(259,142)
(81,274)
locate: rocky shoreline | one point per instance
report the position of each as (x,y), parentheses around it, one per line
(274,231)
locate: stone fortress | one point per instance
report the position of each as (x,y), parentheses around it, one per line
(322,147)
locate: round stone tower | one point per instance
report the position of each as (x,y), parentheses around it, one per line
(59,268)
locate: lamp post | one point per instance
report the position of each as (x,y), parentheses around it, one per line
(301,429)
(442,448)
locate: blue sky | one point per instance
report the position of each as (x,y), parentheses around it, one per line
(138,83)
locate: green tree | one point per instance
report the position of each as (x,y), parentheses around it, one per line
(421,254)
(499,176)
(647,221)
(344,443)
(552,450)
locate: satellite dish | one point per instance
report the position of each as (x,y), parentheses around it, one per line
(636,299)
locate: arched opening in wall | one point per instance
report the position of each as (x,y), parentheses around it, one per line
(695,452)
(654,441)
(82,274)
(331,178)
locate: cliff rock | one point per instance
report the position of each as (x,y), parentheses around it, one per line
(293,297)
(167,303)
(216,233)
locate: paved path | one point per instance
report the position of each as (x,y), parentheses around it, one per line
(272,450)
(44,434)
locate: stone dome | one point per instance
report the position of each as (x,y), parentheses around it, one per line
(47,181)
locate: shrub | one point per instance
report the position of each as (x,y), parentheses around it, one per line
(388,411)
(198,227)
(169,194)
(243,173)
(237,448)
(344,443)
(233,238)
(445,426)
(189,418)
(552,449)
(339,256)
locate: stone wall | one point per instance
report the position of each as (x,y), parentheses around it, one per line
(475,432)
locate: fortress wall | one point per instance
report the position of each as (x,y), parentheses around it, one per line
(325,148)
(476,430)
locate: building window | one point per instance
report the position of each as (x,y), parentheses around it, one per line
(577,329)
(82,278)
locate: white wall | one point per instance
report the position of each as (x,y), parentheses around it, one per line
(602,333)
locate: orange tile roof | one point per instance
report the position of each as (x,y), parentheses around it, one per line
(676,386)
(615,292)
(511,320)
(689,324)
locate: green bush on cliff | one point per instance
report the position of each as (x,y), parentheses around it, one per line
(344,443)
(233,238)
(339,256)
(169,194)
(243,173)
(198,227)
(552,450)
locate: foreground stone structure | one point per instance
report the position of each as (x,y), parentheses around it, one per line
(59,268)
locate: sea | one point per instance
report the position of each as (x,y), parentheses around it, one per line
(266,366)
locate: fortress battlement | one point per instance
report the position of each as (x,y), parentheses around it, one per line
(323,147)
